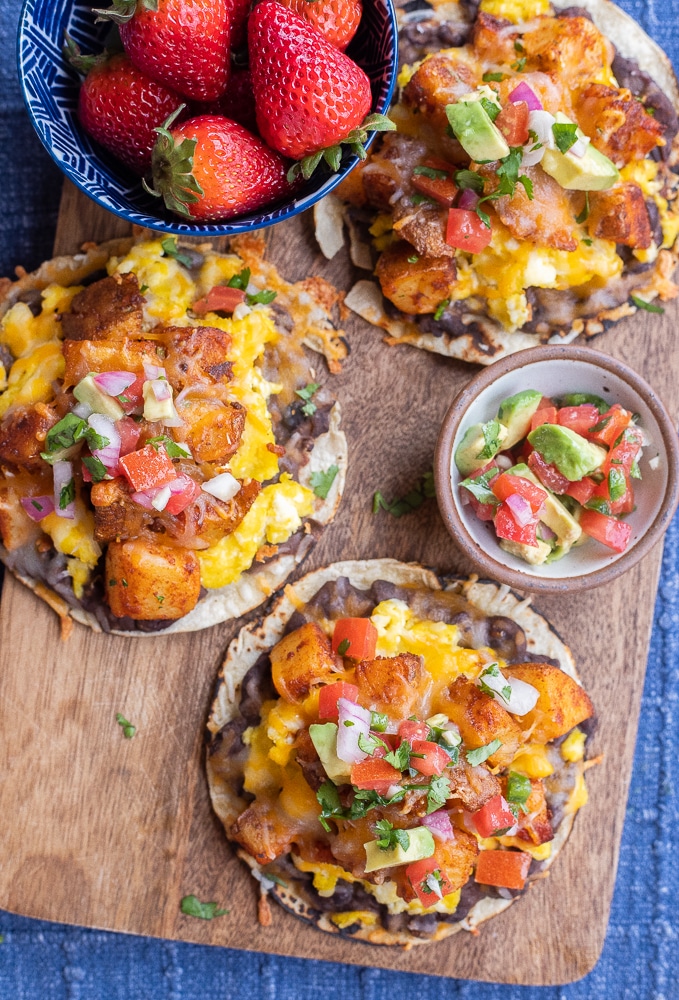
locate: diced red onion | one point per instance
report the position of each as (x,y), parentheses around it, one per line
(522,697)
(503,462)
(347,736)
(541,123)
(530,156)
(161,389)
(546,532)
(114,382)
(105,427)
(393,790)
(160,500)
(63,475)
(224,486)
(38,507)
(468,199)
(433,885)
(579,148)
(82,410)
(522,512)
(152,372)
(439,824)
(524,93)
(174,421)
(144,499)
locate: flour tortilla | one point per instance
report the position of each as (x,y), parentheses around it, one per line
(259,637)
(254,586)
(486,340)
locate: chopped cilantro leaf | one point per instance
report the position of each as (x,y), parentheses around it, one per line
(418,199)
(68,432)
(617,484)
(565,135)
(519,788)
(469,179)
(67,494)
(520,64)
(329,801)
(414,259)
(634,471)
(343,647)
(585,212)
(441,308)
(411,501)
(192,907)
(365,800)
(490,107)
(322,481)
(95,467)
(170,249)
(599,504)
(438,794)
(173,449)
(647,306)
(306,393)
(578,398)
(379,722)
(240,280)
(389,836)
(492,77)
(431,172)
(479,488)
(369,744)
(262,298)
(518,46)
(527,185)
(481,754)
(586,240)
(128,729)
(491,438)
(400,758)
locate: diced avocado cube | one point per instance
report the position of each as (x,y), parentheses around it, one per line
(475,132)
(536,555)
(591,172)
(516,414)
(421,846)
(87,391)
(157,409)
(480,443)
(573,455)
(555,515)
(324,738)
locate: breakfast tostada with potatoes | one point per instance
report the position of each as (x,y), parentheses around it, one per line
(397,756)
(529,192)
(168,454)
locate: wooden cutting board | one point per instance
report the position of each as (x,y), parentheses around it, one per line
(111,833)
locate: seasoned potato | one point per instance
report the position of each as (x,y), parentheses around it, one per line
(196,354)
(617,123)
(489,40)
(85,356)
(22,436)
(415,287)
(16,527)
(207,520)
(457,856)
(620,214)
(481,719)
(148,581)
(116,515)
(301,660)
(424,226)
(392,684)
(261,832)
(546,218)
(562,703)
(351,188)
(473,786)
(570,47)
(212,429)
(442,79)
(110,308)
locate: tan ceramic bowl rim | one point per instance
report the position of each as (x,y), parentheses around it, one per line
(448,502)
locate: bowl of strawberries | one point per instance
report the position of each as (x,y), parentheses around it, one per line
(207,117)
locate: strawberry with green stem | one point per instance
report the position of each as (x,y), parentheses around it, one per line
(120,106)
(181,43)
(338,20)
(310,97)
(210,167)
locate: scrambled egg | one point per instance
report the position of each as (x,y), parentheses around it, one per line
(169,291)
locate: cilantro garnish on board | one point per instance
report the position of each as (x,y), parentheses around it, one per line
(192,907)
(128,729)
(424,490)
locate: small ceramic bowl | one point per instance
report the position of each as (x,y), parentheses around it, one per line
(50,90)
(555,371)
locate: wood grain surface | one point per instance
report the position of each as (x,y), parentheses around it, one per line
(111,833)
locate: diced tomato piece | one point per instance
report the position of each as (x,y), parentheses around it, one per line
(578,418)
(507,485)
(129,431)
(411,730)
(484,511)
(441,189)
(418,873)
(132,398)
(611,424)
(178,502)
(436,163)
(545,401)
(506,527)
(548,474)
(374,774)
(513,123)
(623,504)
(328,695)
(607,530)
(434,758)
(356,636)
(582,490)
(506,869)
(221,298)
(148,468)
(525,451)
(466,231)
(493,816)
(625,453)
(544,415)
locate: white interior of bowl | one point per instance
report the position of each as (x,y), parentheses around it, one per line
(556,378)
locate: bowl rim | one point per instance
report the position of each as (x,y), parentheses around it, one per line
(447,498)
(208,230)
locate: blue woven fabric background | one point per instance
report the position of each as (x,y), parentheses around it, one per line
(40,961)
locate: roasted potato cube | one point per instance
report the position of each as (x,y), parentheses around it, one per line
(116,515)
(620,214)
(424,226)
(351,189)
(196,354)
(562,703)
(22,436)
(148,581)
(473,786)
(391,684)
(617,123)
(261,832)
(570,48)
(85,356)
(457,856)
(418,287)
(388,172)
(534,823)
(546,218)
(207,520)
(490,42)
(481,719)
(301,660)
(442,79)
(109,309)
(212,430)
(16,527)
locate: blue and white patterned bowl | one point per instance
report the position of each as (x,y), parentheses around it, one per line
(50,89)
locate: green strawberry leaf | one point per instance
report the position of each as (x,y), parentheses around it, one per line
(123,11)
(74,57)
(172,169)
(332,155)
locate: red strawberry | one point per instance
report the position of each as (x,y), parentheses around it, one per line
(120,106)
(336,19)
(181,43)
(212,168)
(309,96)
(237,103)
(239,23)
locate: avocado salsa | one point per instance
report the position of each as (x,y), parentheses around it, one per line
(552,473)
